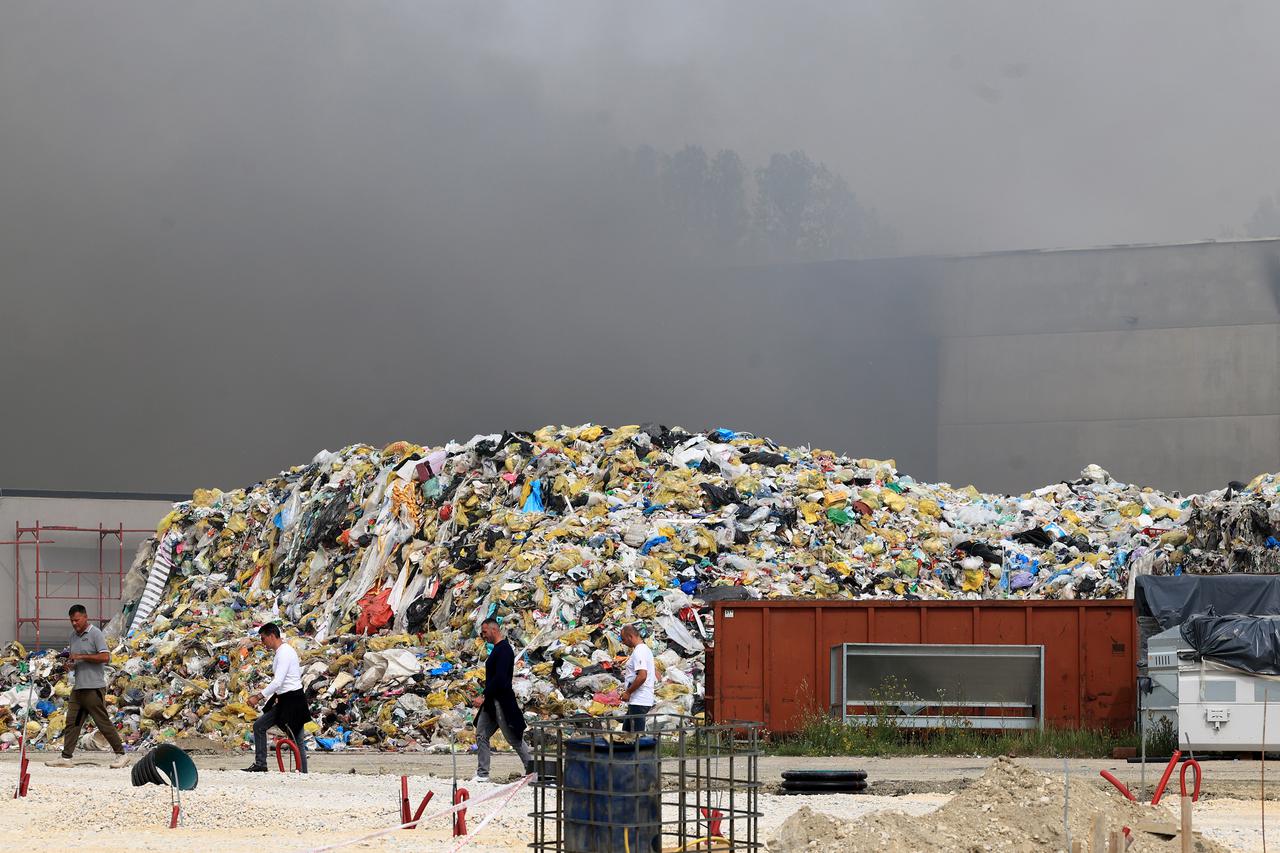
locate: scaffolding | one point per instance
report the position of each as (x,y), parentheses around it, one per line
(53,583)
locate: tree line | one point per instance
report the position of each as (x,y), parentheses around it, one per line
(791,208)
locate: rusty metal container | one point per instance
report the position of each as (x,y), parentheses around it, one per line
(771,659)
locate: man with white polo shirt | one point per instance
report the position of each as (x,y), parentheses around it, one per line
(87,656)
(286,702)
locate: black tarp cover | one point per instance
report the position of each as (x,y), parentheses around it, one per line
(1172,599)
(1247,643)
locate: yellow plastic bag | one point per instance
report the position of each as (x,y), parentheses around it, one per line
(166,521)
(811,481)
(240,709)
(575,636)
(894,501)
(565,560)
(390,641)
(205,497)
(825,588)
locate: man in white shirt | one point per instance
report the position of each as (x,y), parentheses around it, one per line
(638,679)
(286,703)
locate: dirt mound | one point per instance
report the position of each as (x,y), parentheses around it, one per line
(1010,809)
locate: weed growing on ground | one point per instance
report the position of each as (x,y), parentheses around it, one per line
(1162,738)
(821,734)
(896,721)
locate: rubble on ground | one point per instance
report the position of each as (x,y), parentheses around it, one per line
(1009,809)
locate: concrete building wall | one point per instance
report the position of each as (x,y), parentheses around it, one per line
(1158,363)
(69,551)
(1120,288)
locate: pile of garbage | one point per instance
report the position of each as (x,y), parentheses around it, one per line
(1237,529)
(381,564)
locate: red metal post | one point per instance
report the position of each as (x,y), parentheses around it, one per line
(17,581)
(408,818)
(293,747)
(120,569)
(37,583)
(100,535)
(460,816)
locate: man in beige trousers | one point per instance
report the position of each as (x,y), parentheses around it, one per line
(88,657)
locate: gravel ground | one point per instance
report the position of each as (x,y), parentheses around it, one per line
(92,807)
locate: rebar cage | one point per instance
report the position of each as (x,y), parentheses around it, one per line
(680,785)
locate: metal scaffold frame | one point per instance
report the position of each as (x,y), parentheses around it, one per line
(104,584)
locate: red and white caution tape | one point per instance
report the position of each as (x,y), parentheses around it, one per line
(506,792)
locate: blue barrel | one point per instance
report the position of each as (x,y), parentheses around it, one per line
(612,793)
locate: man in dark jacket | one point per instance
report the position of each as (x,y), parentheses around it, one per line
(498,708)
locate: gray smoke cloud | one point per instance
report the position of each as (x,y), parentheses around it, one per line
(233,233)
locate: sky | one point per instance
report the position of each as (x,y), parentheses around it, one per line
(233,233)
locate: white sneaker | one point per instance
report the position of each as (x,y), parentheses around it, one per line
(122,760)
(59,762)
(479,778)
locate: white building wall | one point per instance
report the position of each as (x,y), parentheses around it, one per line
(70,551)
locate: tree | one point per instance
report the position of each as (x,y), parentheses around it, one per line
(706,208)
(805,211)
(727,191)
(1265,221)
(707,198)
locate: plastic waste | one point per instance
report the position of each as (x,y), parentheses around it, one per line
(382,562)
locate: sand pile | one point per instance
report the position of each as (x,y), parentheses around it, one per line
(1010,809)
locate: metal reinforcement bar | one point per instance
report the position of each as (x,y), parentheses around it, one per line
(679,785)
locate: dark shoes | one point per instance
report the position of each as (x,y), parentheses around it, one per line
(255,768)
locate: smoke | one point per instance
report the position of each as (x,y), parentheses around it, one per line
(236,232)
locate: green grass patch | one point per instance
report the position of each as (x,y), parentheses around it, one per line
(820,734)
(892,726)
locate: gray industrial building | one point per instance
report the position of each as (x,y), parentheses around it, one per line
(1012,370)
(1158,362)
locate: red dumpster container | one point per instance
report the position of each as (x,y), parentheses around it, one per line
(771,659)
